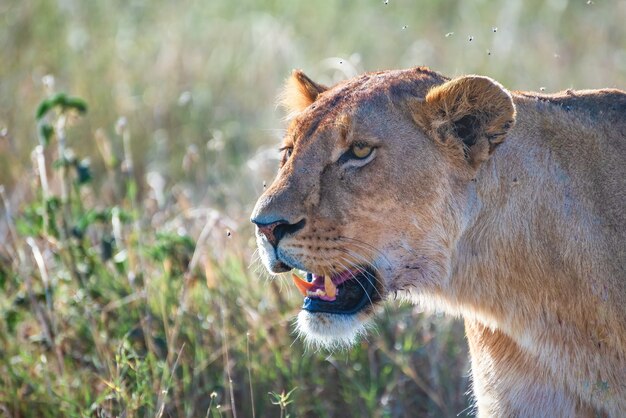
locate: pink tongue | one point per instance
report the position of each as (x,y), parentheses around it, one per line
(318,286)
(344,277)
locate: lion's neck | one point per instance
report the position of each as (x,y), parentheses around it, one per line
(529,242)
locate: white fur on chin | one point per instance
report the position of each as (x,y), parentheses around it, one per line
(330,331)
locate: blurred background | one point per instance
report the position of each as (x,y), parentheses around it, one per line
(128,282)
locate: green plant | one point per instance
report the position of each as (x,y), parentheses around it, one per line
(282,399)
(112,303)
(106,312)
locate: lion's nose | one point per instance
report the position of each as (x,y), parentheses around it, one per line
(274,231)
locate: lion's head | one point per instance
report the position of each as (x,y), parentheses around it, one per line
(375,188)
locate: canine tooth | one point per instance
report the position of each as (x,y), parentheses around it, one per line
(329,286)
(302,285)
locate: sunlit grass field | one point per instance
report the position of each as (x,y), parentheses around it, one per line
(128,281)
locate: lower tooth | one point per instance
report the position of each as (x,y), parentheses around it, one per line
(318,292)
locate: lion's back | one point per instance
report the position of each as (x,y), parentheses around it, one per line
(603,105)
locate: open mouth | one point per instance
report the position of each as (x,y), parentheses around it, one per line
(344,293)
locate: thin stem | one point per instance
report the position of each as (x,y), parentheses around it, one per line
(62,140)
(44,318)
(163,393)
(43,272)
(226,359)
(250,373)
(11,226)
(45,188)
(65,208)
(208,411)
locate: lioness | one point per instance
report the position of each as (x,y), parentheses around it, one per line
(506,208)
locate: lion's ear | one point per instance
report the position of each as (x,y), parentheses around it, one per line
(470,114)
(299,92)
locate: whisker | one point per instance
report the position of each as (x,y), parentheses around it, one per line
(366,273)
(376,279)
(362,259)
(255,257)
(355,254)
(358,282)
(349,269)
(369,277)
(283,283)
(365,246)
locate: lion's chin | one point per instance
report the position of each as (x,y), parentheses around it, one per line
(331,331)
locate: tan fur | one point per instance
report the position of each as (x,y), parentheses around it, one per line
(479,98)
(299,92)
(508,209)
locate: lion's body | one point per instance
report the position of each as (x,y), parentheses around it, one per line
(552,335)
(518,227)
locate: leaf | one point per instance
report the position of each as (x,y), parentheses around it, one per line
(171,245)
(4,274)
(83,171)
(76,103)
(58,99)
(30,223)
(46,131)
(62,101)
(106,247)
(11,317)
(89,217)
(42,109)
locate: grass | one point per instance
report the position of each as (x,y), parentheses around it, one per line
(127,280)
(135,308)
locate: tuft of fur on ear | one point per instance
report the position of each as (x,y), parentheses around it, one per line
(471,115)
(299,92)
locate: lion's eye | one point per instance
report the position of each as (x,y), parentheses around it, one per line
(361,151)
(359,154)
(286,151)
